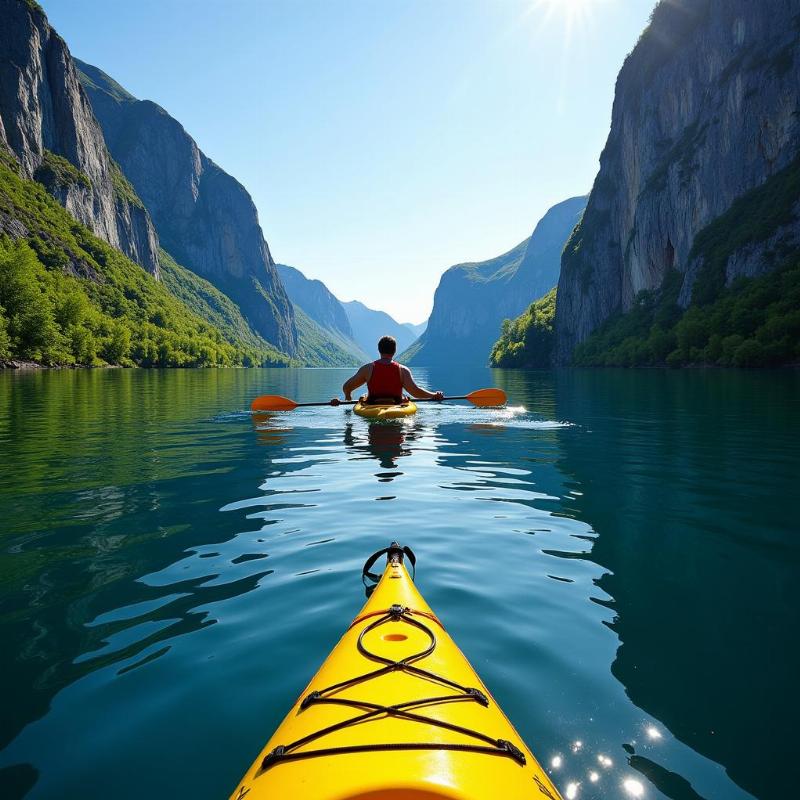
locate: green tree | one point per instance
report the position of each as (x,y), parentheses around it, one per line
(527,341)
(5,339)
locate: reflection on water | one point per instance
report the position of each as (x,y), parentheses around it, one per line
(615,552)
(697,531)
(385,441)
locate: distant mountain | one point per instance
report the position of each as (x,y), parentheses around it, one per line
(369,325)
(331,331)
(473,299)
(318,347)
(417,330)
(205,218)
(316,300)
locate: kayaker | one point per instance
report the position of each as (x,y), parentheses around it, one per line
(385,379)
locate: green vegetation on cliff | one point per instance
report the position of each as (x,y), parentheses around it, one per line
(411,352)
(122,186)
(67,297)
(752,218)
(527,341)
(753,322)
(56,171)
(208,302)
(317,347)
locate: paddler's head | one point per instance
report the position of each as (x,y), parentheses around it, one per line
(387,346)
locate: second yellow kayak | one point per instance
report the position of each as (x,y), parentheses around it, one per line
(395,711)
(374,411)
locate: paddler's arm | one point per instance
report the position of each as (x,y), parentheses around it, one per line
(417,391)
(351,384)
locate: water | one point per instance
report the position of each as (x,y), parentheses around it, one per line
(616,553)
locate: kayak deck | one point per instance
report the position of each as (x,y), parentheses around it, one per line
(395,711)
(385,411)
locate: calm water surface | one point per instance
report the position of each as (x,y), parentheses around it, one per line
(617,554)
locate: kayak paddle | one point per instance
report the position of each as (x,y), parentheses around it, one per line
(274,402)
(480,397)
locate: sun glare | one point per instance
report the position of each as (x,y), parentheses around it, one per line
(573,12)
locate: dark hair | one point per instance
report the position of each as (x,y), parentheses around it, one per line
(387,345)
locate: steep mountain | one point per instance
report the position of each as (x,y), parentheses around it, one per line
(47,123)
(211,305)
(417,330)
(369,325)
(316,300)
(68,297)
(472,300)
(205,218)
(319,347)
(706,113)
(331,331)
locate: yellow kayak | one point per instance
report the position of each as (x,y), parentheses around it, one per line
(375,411)
(395,711)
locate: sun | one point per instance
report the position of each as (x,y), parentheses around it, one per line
(574,12)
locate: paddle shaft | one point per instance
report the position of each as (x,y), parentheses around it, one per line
(341,403)
(413,400)
(481,397)
(434,400)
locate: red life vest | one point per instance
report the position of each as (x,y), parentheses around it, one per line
(385,382)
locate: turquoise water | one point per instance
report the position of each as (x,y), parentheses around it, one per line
(617,553)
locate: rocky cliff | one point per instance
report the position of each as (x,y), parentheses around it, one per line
(325,337)
(472,300)
(707,108)
(205,218)
(315,299)
(47,122)
(416,329)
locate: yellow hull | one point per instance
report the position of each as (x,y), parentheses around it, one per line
(385,412)
(419,716)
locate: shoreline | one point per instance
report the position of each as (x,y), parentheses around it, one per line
(26,365)
(22,364)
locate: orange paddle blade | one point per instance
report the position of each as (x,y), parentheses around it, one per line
(488,397)
(272,402)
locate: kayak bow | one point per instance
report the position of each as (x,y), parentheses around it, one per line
(395,711)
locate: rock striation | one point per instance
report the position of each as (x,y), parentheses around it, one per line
(205,218)
(472,300)
(47,122)
(706,109)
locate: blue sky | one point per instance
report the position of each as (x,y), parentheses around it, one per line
(382,140)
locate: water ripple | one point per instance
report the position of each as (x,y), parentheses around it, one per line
(611,551)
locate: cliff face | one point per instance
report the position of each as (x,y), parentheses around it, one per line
(47,122)
(707,108)
(315,299)
(205,218)
(472,300)
(418,329)
(324,335)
